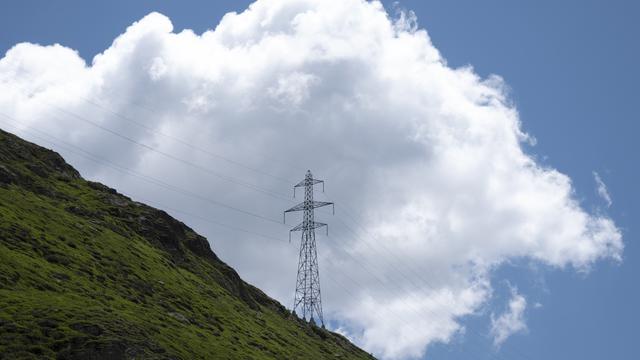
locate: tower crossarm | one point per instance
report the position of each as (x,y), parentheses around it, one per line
(306,182)
(302,227)
(308,205)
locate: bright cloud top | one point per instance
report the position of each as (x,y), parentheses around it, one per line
(429,158)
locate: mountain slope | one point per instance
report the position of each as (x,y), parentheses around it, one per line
(87,273)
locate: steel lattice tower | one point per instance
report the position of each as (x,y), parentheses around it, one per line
(307,294)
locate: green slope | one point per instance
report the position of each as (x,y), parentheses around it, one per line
(86,273)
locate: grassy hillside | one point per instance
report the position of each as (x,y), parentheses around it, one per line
(87,273)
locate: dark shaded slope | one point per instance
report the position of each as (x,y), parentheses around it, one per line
(86,273)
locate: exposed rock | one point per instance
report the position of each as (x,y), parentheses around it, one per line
(87,328)
(6,175)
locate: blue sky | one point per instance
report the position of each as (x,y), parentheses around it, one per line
(572,70)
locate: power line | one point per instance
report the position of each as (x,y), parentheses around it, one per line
(236,181)
(188,193)
(146,178)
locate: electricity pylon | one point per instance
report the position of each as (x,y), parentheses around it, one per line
(307,294)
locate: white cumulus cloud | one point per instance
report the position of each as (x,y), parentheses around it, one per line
(425,162)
